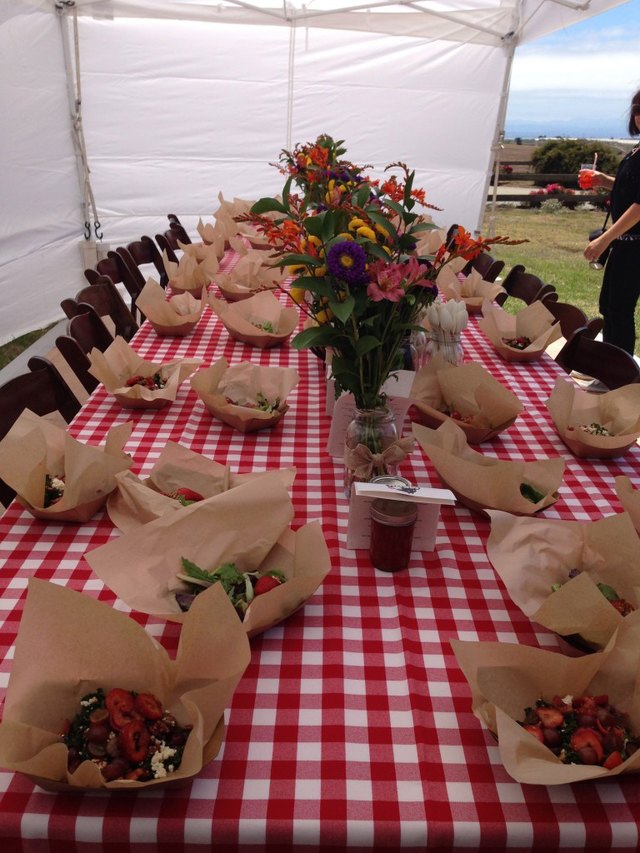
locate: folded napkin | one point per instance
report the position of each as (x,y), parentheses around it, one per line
(534,322)
(480,405)
(70,645)
(532,554)
(35,448)
(482,482)
(120,363)
(177,316)
(247,525)
(135,502)
(246,396)
(470,289)
(580,418)
(506,678)
(260,321)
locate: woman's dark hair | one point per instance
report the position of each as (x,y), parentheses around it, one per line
(635,102)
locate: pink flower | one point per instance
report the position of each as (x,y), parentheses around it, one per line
(386,282)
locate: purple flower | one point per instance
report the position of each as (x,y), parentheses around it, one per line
(347,260)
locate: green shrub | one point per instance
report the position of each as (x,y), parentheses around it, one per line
(564,156)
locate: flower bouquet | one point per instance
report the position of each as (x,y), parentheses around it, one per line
(349,242)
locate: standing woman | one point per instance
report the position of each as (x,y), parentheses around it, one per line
(621,284)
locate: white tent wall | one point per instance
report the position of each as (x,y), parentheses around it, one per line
(176,111)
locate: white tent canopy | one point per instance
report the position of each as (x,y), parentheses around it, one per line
(180,100)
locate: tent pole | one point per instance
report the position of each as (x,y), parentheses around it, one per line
(511,42)
(74,94)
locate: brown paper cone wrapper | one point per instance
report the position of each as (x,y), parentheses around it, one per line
(242,319)
(136,502)
(505,679)
(534,322)
(618,411)
(469,390)
(35,447)
(119,362)
(473,290)
(247,525)
(482,482)
(531,554)
(217,384)
(190,275)
(630,499)
(251,275)
(177,316)
(69,645)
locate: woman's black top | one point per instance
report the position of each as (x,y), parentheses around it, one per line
(626,189)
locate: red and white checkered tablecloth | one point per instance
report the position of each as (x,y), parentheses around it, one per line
(352,727)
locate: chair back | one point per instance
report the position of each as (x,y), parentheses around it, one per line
(177,226)
(144,252)
(569,316)
(488,267)
(523,285)
(609,364)
(43,390)
(84,332)
(105,299)
(121,269)
(165,246)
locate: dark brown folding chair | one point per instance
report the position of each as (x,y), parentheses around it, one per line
(488,267)
(165,246)
(84,332)
(43,390)
(144,252)
(105,299)
(121,270)
(179,229)
(519,284)
(571,317)
(610,365)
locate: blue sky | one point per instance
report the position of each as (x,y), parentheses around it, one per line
(578,81)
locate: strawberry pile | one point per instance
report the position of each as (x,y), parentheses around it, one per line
(520,342)
(128,735)
(457,416)
(582,730)
(153,383)
(186,496)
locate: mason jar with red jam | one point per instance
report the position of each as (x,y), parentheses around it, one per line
(392,526)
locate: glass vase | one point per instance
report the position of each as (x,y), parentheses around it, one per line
(376,430)
(447,344)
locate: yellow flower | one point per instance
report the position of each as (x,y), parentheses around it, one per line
(355,224)
(382,231)
(324,316)
(345,236)
(365,231)
(297,294)
(320,271)
(296,269)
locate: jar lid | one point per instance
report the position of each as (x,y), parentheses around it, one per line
(393,513)
(389,480)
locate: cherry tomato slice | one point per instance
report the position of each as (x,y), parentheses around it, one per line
(148,706)
(134,741)
(119,698)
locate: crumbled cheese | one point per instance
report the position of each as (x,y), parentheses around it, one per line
(157,761)
(86,703)
(567,699)
(57,483)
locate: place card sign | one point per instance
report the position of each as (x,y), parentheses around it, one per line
(429,501)
(344,408)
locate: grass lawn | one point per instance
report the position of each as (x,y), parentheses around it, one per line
(554,251)
(13,349)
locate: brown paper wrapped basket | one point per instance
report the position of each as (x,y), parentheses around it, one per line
(69,645)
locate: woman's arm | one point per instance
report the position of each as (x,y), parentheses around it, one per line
(628,219)
(602,181)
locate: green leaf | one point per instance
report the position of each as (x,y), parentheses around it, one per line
(378,251)
(328,226)
(307,260)
(361,196)
(264,205)
(608,591)
(424,226)
(317,336)
(343,310)
(384,223)
(366,343)
(314,224)
(397,208)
